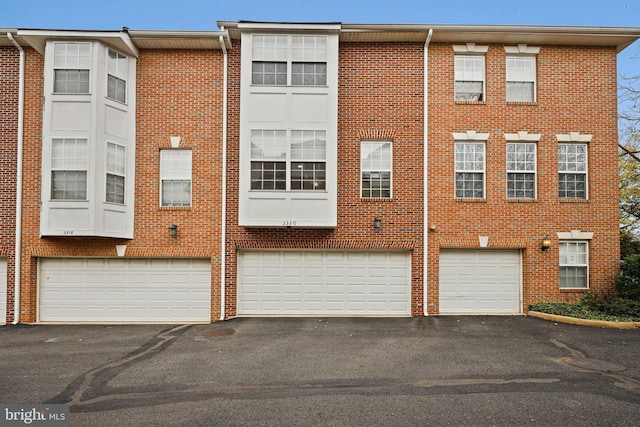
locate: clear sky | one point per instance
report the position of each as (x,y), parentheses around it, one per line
(203,14)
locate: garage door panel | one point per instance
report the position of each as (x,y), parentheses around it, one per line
(328,282)
(125,290)
(480,281)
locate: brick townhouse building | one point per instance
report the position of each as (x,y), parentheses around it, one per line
(311,169)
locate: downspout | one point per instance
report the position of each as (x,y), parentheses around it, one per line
(223,258)
(425,226)
(18,248)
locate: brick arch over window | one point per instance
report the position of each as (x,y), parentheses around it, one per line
(377,134)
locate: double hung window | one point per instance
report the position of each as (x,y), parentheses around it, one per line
(115,173)
(469,78)
(69,169)
(521,79)
(521,170)
(116,76)
(288,160)
(175,177)
(280,60)
(574,265)
(375,169)
(572,171)
(71,64)
(469,170)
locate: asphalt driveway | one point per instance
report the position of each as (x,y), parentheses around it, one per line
(471,370)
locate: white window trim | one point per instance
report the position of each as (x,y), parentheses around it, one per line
(535,76)
(534,172)
(83,68)
(190,180)
(586,243)
(362,169)
(576,139)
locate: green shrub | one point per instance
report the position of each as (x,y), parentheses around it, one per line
(627,284)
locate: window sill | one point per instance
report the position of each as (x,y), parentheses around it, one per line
(175,208)
(376,199)
(573,290)
(470,102)
(522,201)
(525,103)
(574,200)
(471,200)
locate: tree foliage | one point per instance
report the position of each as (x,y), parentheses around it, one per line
(629,165)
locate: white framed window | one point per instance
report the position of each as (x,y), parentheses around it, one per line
(469,170)
(469,78)
(521,170)
(284,161)
(175,177)
(280,60)
(71,64)
(521,78)
(116,76)
(572,171)
(69,169)
(375,169)
(116,160)
(574,265)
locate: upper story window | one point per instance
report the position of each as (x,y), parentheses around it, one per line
(115,173)
(294,160)
(280,60)
(71,64)
(469,72)
(521,79)
(574,265)
(116,76)
(521,170)
(470,170)
(521,73)
(375,169)
(572,171)
(69,169)
(175,177)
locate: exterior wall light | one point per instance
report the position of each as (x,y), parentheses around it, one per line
(546,243)
(173,230)
(377,222)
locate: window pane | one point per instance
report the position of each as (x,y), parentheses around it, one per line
(308,145)
(176,193)
(309,74)
(69,185)
(308,176)
(268,144)
(309,48)
(268,175)
(520,92)
(71,81)
(115,189)
(116,88)
(520,185)
(269,73)
(572,186)
(469,185)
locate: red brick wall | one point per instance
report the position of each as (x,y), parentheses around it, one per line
(179,93)
(576,93)
(377,99)
(9,82)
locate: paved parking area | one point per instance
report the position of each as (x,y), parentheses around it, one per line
(470,370)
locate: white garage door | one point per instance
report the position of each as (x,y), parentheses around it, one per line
(3,291)
(480,281)
(339,283)
(125,290)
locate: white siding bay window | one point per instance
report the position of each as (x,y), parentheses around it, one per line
(88,153)
(288,126)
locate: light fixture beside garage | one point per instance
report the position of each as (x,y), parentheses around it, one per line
(546,243)
(173,230)
(377,222)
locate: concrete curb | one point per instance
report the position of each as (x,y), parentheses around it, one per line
(585,322)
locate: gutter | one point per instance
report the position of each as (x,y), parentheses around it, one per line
(223,255)
(425,225)
(17,256)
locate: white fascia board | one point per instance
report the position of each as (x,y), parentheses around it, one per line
(119,40)
(275,26)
